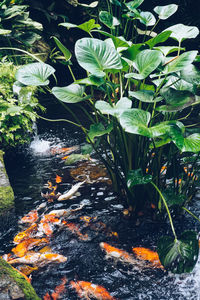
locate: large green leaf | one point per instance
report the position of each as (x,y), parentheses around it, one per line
(177,100)
(167,49)
(4,31)
(91,80)
(191,74)
(145,96)
(63,49)
(34,74)
(72,93)
(132,52)
(99,130)
(146,62)
(181,32)
(132,5)
(147,18)
(160,38)
(115,110)
(135,177)
(87,26)
(135,121)
(180,62)
(164,12)
(173,199)
(91,5)
(96,56)
(115,2)
(107,19)
(191,143)
(179,256)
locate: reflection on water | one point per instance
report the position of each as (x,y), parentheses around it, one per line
(101,215)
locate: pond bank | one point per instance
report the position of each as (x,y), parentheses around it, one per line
(6,191)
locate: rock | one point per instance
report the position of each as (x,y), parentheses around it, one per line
(6,191)
(13,285)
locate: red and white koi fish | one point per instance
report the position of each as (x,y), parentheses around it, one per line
(87,289)
(71,192)
(38,259)
(112,252)
(31,217)
(22,248)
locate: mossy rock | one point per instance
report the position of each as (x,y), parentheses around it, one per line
(6,191)
(13,285)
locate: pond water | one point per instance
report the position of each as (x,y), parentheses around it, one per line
(30,168)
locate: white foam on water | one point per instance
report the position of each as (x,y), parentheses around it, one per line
(40,146)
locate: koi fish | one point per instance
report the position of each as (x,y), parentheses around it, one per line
(112,252)
(147,254)
(57,292)
(28,233)
(45,228)
(65,212)
(39,259)
(22,248)
(31,217)
(75,229)
(58,179)
(27,279)
(87,289)
(26,270)
(57,150)
(71,192)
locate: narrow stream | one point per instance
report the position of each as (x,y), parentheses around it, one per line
(30,168)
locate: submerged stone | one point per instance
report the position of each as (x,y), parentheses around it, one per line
(6,191)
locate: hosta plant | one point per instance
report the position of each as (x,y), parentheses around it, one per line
(141,96)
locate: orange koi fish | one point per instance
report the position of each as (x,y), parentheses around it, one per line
(149,255)
(22,248)
(27,279)
(31,217)
(26,270)
(87,289)
(75,229)
(59,289)
(28,233)
(112,252)
(58,179)
(57,150)
(38,259)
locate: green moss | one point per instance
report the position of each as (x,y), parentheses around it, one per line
(28,290)
(6,198)
(6,191)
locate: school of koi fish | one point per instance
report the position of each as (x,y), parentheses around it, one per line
(32,249)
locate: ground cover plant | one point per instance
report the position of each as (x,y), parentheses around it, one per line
(141,95)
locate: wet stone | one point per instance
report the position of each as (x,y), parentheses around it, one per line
(9,289)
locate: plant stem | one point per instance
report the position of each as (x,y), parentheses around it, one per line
(60,120)
(189,212)
(167,209)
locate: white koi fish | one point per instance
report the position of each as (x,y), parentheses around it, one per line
(65,212)
(71,192)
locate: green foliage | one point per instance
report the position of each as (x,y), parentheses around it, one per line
(179,256)
(16,26)
(17,111)
(140,102)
